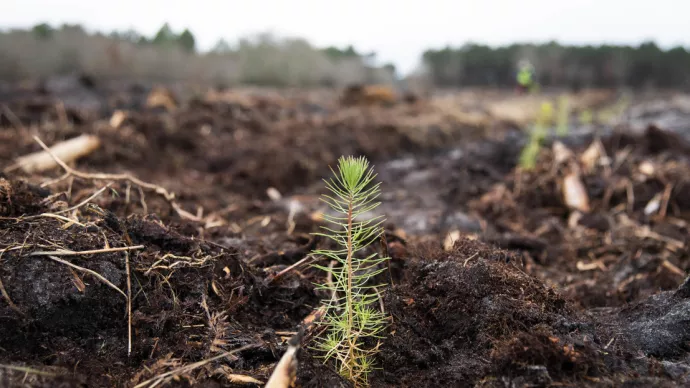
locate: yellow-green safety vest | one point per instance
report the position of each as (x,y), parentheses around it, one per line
(524,77)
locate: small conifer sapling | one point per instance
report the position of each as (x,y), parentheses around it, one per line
(353,317)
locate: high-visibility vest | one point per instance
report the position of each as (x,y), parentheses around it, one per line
(524,77)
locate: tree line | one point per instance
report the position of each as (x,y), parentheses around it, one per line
(263,60)
(646,65)
(173,56)
(187,42)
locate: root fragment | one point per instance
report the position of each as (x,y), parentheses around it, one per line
(170,197)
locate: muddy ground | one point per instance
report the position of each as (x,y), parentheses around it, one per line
(497,280)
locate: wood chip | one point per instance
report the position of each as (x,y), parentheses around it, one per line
(590,158)
(653,205)
(647,168)
(561,153)
(242,379)
(574,193)
(668,265)
(581,266)
(118,118)
(68,151)
(273,194)
(450,240)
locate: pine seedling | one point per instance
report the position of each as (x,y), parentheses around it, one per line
(529,154)
(586,117)
(563,116)
(353,319)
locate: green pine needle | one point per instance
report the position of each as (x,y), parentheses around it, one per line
(352,314)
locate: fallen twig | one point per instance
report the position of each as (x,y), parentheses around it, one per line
(290,268)
(188,368)
(666,197)
(12,117)
(7,298)
(58,217)
(671,267)
(100,176)
(94,273)
(87,200)
(671,243)
(27,370)
(169,196)
(4,292)
(129,305)
(89,252)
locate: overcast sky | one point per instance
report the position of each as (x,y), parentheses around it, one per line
(398,30)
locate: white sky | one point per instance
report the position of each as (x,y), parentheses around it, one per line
(398,30)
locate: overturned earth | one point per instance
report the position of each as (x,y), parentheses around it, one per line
(494,280)
(465,316)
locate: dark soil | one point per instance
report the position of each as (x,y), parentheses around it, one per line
(532,293)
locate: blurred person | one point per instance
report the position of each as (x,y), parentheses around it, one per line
(525,77)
